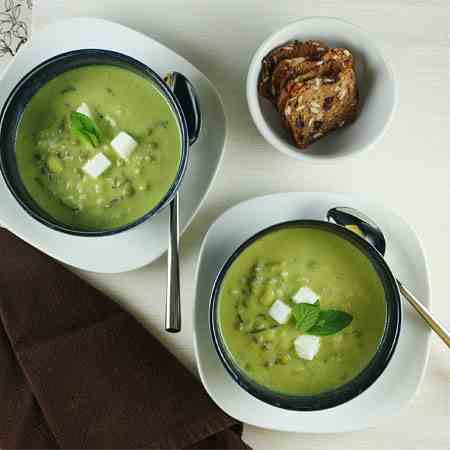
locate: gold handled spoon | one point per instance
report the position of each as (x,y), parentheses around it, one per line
(365,227)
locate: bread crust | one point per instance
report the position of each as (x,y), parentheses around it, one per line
(293,49)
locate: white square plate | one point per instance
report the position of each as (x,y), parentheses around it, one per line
(145,243)
(401,379)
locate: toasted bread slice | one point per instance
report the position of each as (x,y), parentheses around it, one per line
(299,68)
(312,50)
(290,72)
(319,105)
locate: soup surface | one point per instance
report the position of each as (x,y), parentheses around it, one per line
(274,268)
(52,157)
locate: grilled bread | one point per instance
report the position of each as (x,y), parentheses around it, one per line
(320,105)
(333,62)
(313,87)
(313,50)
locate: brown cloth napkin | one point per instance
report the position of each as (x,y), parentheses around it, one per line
(77,371)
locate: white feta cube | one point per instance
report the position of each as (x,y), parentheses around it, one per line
(280,312)
(97,165)
(123,144)
(307,346)
(305,295)
(84,109)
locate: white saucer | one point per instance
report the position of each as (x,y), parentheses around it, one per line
(399,382)
(143,244)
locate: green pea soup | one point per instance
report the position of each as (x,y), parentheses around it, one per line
(275,267)
(50,156)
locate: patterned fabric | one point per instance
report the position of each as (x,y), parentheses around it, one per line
(15,21)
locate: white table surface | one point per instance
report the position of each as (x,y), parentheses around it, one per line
(408,169)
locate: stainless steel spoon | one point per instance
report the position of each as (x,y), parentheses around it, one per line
(185,94)
(364,226)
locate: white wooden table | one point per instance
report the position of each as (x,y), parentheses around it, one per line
(409,169)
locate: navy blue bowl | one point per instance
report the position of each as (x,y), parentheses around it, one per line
(22,93)
(355,386)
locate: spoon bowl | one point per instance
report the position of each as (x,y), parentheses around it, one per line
(365,227)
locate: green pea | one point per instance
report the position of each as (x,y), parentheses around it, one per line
(258,325)
(268,297)
(270,335)
(54,165)
(128,190)
(143,187)
(267,346)
(258,339)
(269,363)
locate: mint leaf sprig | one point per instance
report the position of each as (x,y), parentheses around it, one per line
(85,128)
(311,319)
(306,315)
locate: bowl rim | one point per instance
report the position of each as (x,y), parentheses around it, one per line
(39,213)
(361,381)
(265,129)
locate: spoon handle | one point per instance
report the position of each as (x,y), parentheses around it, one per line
(187,99)
(438,327)
(173,304)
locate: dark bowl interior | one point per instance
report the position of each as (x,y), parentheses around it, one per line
(20,96)
(358,384)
